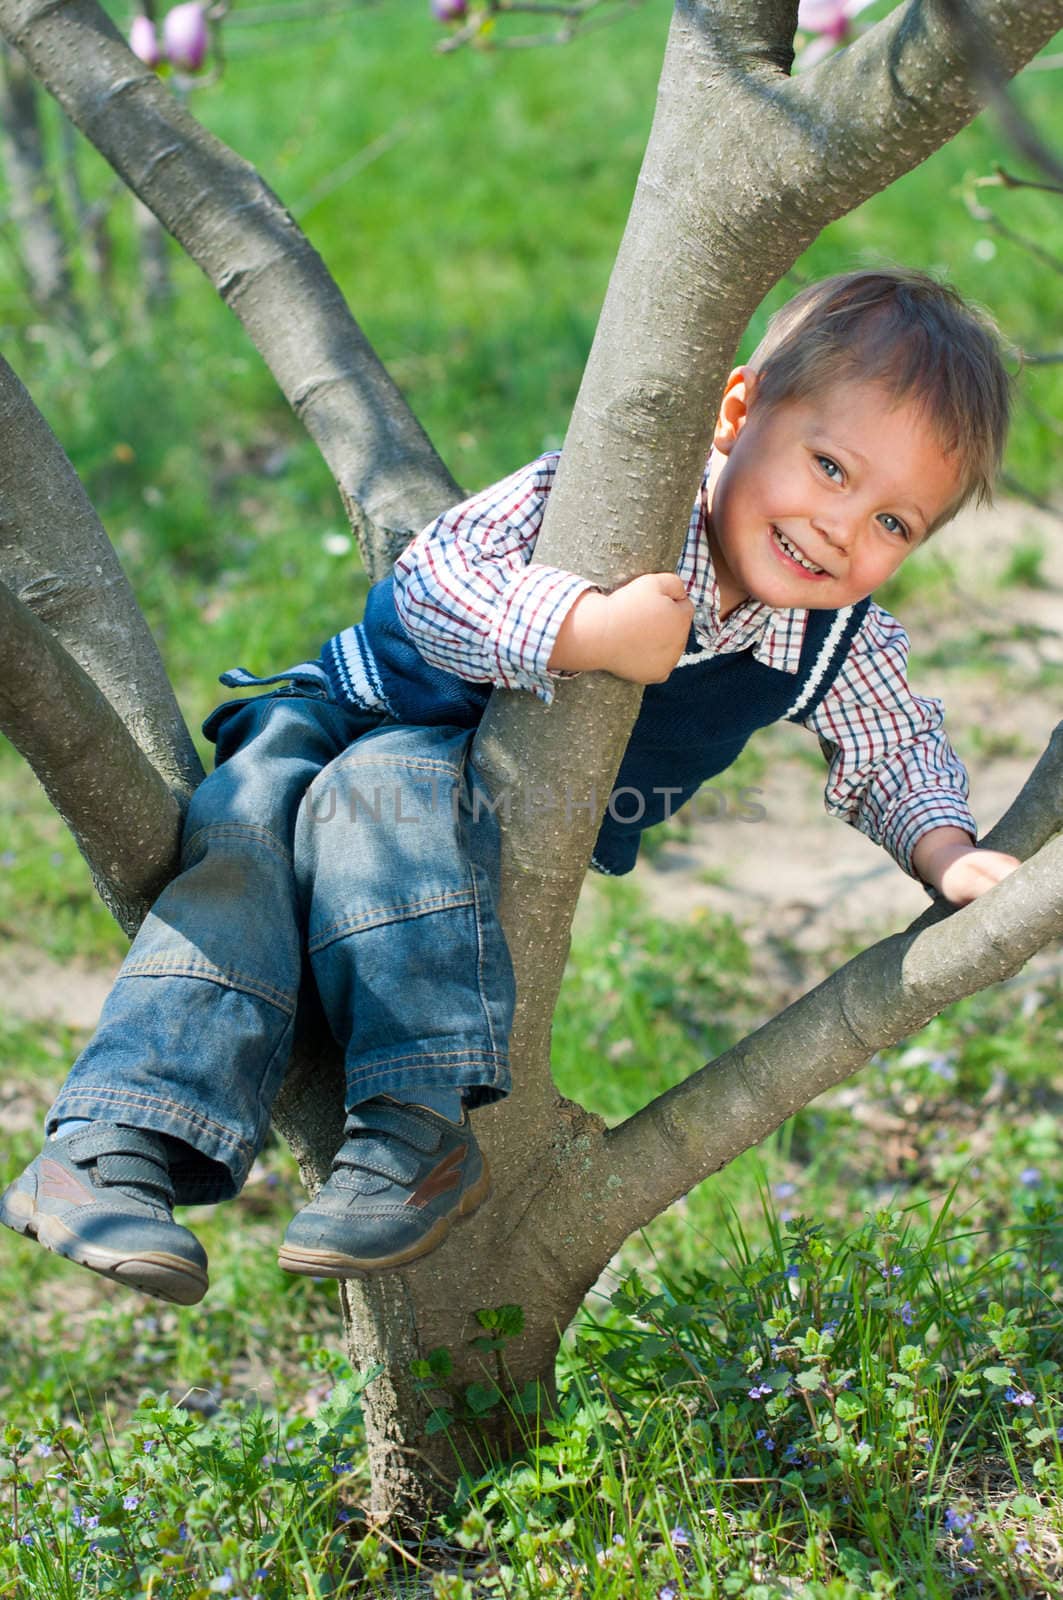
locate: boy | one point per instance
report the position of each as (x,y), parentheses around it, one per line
(875,407)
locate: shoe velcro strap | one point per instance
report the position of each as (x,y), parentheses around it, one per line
(123,1155)
(383,1157)
(104,1139)
(117,1171)
(414,1128)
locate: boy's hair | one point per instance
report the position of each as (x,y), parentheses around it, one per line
(915,336)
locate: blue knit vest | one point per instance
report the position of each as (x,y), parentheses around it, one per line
(690,728)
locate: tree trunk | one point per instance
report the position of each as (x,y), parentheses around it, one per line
(744,167)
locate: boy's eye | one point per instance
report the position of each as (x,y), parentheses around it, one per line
(893,524)
(830,467)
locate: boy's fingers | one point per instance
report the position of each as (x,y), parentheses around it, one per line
(671,584)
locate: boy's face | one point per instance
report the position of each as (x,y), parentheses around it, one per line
(815,503)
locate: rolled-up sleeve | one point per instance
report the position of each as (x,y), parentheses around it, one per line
(893,773)
(472,599)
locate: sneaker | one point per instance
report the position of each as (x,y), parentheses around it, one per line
(401,1178)
(102,1197)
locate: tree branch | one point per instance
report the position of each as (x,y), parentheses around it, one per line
(909,83)
(77,744)
(235,229)
(744,167)
(886,993)
(58,561)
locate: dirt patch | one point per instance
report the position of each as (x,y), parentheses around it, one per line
(36,988)
(990,647)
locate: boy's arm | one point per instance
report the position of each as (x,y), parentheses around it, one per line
(476,604)
(470,596)
(893,773)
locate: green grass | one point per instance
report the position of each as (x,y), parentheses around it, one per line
(835,1365)
(475,239)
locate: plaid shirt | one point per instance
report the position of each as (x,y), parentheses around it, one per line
(476,604)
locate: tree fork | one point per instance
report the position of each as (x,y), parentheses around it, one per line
(732,188)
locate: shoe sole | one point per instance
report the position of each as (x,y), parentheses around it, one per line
(155,1272)
(334,1264)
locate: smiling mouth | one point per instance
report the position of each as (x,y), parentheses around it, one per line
(791,550)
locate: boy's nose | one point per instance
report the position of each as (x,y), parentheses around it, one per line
(837,530)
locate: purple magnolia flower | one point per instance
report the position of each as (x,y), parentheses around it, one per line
(144,41)
(830,21)
(184,34)
(448,10)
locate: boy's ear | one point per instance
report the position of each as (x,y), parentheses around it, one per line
(734,408)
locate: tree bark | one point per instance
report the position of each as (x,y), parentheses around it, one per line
(57,560)
(55,715)
(743,168)
(235,229)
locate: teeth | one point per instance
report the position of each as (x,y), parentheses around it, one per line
(792,550)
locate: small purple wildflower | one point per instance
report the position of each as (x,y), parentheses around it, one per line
(44,1449)
(27,1538)
(1019,1397)
(1022,1547)
(889,1272)
(906,1314)
(1030,1177)
(131,1502)
(92,1522)
(223,1584)
(763,1437)
(148,1446)
(679,1536)
(759,1390)
(667,1591)
(793,1270)
(783,1191)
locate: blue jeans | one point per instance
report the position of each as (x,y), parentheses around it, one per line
(332,843)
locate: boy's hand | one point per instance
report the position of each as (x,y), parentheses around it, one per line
(638,632)
(948,859)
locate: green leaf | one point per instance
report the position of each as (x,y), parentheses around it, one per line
(1001,1376)
(482,1397)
